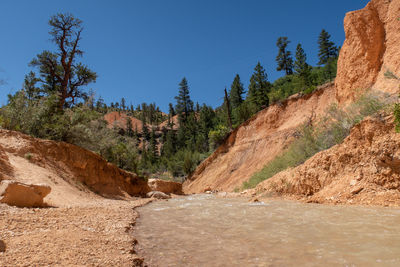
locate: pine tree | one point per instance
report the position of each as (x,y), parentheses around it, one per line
(100,104)
(169,147)
(152,150)
(236,92)
(300,65)
(145,132)
(205,123)
(184,105)
(129,129)
(284,57)
(123,104)
(171,114)
(327,49)
(29,86)
(184,109)
(259,87)
(191,131)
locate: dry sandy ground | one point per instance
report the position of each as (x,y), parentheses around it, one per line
(94,234)
(82,228)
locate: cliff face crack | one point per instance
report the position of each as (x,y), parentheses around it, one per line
(376,61)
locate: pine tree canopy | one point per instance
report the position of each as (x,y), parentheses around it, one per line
(300,64)
(284,57)
(183,102)
(171,109)
(236,92)
(327,49)
(259,87)
(29,86)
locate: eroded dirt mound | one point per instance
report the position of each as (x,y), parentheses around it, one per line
(257,141)
(364,169)
(72,172)
(119,119)
(370,49)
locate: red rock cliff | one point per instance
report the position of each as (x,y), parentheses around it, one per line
(371,48)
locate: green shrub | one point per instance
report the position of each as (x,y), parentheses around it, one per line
(218,135)
(28,156)
(396,109)
(396,112)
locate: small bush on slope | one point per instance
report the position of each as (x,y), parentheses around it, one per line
(327,132)
(396,108)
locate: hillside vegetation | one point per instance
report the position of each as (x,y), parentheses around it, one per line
(53,104)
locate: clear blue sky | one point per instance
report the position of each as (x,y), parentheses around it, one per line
(141,49)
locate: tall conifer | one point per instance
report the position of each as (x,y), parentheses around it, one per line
(327,49)
(236,92)
(259,87)
(300,65)
(284,57)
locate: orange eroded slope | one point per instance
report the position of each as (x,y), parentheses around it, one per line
(364,169)
(73,173)
(256,142)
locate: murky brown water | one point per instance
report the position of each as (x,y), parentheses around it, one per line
(205,231)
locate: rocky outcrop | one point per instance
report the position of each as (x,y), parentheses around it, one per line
(257,141)
(168,187)
(364,169)
(65,167)
(158,195)
(369,50)
(23,195)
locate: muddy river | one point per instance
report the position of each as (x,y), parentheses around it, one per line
(203,230)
